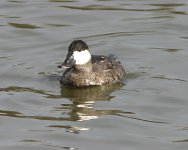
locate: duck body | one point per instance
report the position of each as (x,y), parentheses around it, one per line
(90,70)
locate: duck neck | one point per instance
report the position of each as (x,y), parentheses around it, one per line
(87,67)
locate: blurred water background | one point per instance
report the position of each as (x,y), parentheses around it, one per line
(150,38)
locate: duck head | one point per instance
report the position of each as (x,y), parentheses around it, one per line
(78,55)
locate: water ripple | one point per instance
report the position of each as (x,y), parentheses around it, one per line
(24,89)
(168,78)
(185,140)
(62,1)
(103,7)
(16,1)
(70,129)
(169,4)
(23,26)
(116,34)
(141,119)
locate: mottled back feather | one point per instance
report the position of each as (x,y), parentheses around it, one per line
(104,70)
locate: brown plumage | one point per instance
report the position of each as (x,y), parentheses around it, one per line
(98,70)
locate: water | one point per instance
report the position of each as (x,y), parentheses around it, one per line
(149,112)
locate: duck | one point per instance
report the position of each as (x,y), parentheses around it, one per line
(81,69)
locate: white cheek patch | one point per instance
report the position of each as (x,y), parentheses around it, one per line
(81,57)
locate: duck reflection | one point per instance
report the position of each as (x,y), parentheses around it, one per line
(78,108)
(83,99)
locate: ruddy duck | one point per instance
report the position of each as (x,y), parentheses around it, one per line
(84,69)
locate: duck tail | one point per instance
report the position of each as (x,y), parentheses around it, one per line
(112,56)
